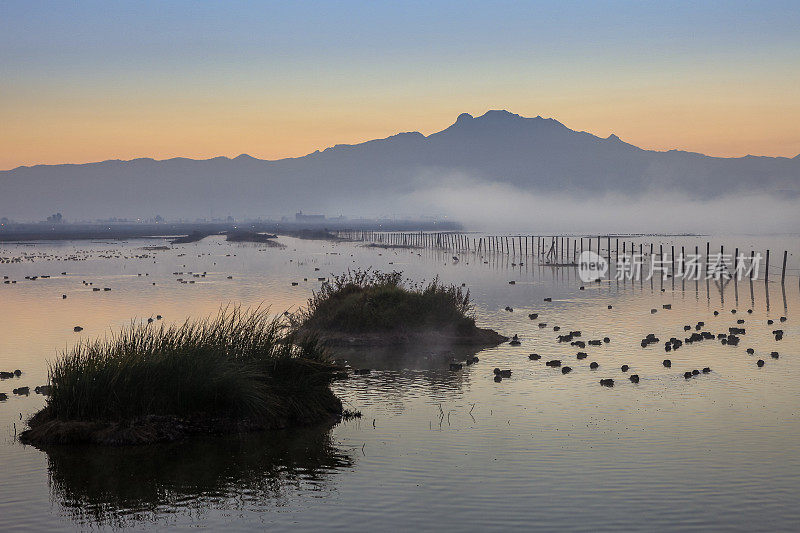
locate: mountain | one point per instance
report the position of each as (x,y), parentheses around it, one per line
(532,154)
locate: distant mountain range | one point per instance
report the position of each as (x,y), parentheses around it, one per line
(531,154)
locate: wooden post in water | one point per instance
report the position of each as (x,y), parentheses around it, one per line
(783,270)
(672,258)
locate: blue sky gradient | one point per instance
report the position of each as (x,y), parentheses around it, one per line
(121,79)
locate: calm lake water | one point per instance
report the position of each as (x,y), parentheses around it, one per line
(435,449)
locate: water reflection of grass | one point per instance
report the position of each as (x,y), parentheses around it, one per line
(120,486)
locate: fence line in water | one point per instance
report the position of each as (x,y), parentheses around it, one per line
(557,250)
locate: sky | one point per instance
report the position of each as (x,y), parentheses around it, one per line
(89,81)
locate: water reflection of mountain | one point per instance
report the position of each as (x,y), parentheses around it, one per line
(123,486)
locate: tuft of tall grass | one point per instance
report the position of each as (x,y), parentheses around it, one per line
(240,364)
(369,301)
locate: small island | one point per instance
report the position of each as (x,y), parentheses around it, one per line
(368,308)
(238,372)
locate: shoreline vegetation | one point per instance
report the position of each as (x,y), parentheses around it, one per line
(368,308)
(252,236)
(241,371)
(255,237)
(327,230)
(195,236)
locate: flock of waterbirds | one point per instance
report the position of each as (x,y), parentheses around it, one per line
(730,338)
(81,255)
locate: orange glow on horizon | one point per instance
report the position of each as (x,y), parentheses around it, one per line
(84,133)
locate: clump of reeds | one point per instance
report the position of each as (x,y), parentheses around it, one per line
(369,301)
(239,364)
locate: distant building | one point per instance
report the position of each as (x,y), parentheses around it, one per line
(300,217)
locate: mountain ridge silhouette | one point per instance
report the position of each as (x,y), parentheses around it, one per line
(529,153)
